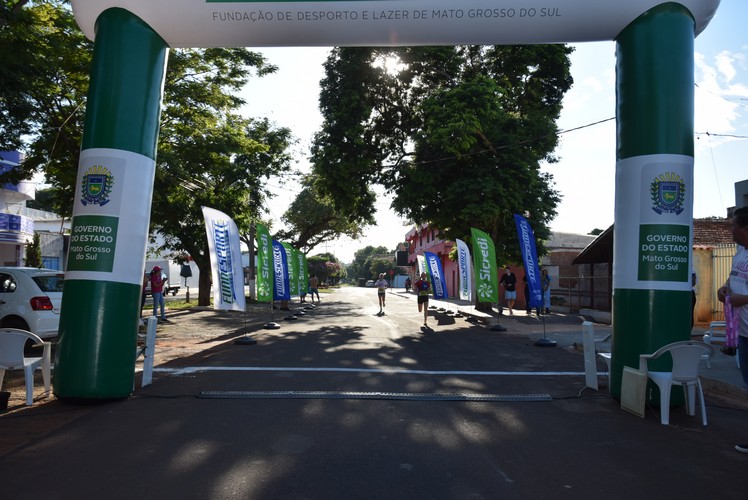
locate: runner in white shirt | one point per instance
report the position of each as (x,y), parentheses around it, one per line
(381,285)
(735,291)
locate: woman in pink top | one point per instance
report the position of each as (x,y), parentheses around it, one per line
(157,291)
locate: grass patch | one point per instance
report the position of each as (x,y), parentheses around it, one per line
(180,304)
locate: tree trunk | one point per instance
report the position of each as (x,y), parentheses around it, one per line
(203,296)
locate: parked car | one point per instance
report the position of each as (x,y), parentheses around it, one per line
(370,284)
(30,299)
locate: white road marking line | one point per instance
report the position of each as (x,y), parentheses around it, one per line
(386,371)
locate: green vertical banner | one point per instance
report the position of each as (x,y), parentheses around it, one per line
(264,263)
(303,272)
(484,258)
(95,355)
(654,187)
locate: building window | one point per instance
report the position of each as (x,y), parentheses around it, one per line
(51,263)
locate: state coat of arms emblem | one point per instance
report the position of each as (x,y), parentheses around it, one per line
(668,193)
(96,186)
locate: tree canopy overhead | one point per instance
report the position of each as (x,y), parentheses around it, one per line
(210,156)
(46,61)
(207,154)
(312,219)
(456,134)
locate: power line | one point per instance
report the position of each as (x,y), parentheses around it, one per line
(493,148)
(723,97)
(733,136)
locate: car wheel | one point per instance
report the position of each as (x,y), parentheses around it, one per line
(15,323)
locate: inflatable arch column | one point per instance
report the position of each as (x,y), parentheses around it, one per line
(654,186)
(654,162)
(95,356)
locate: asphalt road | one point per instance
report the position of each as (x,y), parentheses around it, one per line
(344,404)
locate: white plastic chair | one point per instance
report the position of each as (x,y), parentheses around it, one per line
(717,333)
(686,357)
(12,343)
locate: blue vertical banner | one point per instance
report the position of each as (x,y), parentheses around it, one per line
(530,258)
(225,260)
(434,267)
(292,265)
(281,284)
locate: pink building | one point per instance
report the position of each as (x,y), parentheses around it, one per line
(425,239)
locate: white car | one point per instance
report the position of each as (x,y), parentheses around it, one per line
(30,299)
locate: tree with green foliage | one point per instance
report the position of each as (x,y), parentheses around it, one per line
(33,257)
(312,219)
(272,161)
(208,155)
(379,265)
(456,134)
(46,61)
(363,259)
(326,266)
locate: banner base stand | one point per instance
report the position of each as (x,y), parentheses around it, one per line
(245,340)
(545,342)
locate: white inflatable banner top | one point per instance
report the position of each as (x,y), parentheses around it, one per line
(257,23)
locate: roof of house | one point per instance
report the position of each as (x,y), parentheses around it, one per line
(568,241)
(712,231)
(706,233)
(598,251)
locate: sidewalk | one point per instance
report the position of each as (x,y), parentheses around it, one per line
(723,382)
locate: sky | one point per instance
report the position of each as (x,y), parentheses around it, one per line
(585,173)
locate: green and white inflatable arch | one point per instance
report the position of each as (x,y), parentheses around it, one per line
(654,158)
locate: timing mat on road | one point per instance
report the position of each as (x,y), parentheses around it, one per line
(397,396)
(385,371)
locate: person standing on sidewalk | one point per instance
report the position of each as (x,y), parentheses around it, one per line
(735,292)
(509,282)
(422,287)
(528,309)
(158,279)
(313,287)
(381,285)
(545,280)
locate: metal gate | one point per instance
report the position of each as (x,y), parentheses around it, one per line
(721,265)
